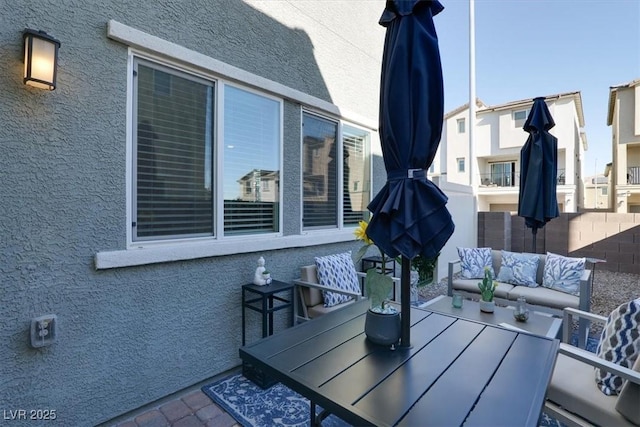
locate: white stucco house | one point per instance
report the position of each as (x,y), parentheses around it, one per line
(624,119)
(596,192)
(499,138)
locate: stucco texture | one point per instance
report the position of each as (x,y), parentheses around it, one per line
(129,336)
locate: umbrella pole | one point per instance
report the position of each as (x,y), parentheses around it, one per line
(534,231)
(405,303)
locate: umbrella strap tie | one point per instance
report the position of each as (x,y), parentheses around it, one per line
(406,174)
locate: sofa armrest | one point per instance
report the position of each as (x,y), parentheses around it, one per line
(300,282)
(589,358)
(584,304)
(585,291)
(569,314)
(450,276)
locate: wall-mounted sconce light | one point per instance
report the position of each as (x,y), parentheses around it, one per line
(40,59)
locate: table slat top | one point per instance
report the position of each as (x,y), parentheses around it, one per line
(456,370)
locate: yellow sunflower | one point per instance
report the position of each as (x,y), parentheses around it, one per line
(361,233)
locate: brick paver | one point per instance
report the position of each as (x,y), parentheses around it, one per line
(194,409)
(175,410)
(190,421)
(196,400)
(153,418)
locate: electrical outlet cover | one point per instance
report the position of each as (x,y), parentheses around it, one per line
(43,330)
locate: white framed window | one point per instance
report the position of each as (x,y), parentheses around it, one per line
(334,152)
(460,162)
(461,125)
(503,174)
(188,181)
(519,117)
(356,170)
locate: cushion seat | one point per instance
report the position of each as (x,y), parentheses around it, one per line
(471,285)
(573,387)
(545,297)
(319,309)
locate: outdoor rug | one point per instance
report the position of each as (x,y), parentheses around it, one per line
(251,406)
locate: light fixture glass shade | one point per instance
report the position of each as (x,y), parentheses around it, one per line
(40,59)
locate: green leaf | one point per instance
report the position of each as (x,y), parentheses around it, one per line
(378,287)
(358,256)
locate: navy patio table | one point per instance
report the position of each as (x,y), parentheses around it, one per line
(457,371)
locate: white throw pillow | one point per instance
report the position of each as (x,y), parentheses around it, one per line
(518,269)
(563,273)
(473,261)
(337,271)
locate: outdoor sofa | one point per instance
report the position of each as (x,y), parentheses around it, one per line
(539,298)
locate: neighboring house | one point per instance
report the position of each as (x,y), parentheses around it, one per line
(624,119)
(596,192)
(184,140)
(499,138)
(259,186)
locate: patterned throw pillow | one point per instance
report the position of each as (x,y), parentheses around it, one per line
(518,269)
(619,343)
(337,271)
(473,261)
(563,273)
(627,401)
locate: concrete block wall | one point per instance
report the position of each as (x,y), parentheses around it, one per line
(494,230)
(614,237)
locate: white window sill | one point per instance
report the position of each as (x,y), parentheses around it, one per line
(194,250)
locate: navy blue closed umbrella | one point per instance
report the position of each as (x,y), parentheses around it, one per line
(537,200)
(409,213)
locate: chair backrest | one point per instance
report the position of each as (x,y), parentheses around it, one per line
(310,296)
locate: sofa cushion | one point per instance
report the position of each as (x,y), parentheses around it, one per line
(628,403)
(337,271)
(563,273)
(619,343)
(518,269)
(473,261)
(320,309)
(471,285)
(545,297)
(572,387)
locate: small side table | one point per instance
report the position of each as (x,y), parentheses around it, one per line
(376,261)
(265,300)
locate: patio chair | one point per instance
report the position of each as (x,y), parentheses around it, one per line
(573,396)
(309,302)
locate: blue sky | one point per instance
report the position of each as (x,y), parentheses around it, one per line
(529,48)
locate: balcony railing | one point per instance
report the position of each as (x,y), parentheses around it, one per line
(633,175)
(508,179)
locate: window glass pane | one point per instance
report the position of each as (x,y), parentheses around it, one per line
(502,174)
(461,127)
(460,164)
(519,118)
(173,172)
(319,172)
(251,163)
(356,173)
